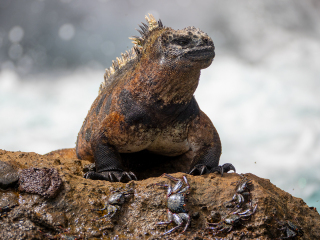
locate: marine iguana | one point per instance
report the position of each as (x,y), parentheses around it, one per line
(145,120)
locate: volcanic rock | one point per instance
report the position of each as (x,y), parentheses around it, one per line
(70,213)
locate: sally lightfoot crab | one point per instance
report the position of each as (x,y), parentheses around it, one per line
(113,205)
(242,194)
(290,230)
(231,221)
(176,203)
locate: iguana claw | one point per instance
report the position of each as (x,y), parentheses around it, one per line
(202,169)
(112,176)
(223,168)
(199,169)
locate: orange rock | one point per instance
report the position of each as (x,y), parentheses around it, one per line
(71,209)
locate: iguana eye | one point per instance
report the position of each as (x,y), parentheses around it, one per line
(182,41)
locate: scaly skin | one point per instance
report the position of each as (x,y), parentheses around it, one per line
(145,120)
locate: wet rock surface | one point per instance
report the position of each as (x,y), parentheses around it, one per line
(8,175)
(70,213)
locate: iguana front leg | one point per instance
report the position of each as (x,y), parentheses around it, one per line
(206,146)
(108,166)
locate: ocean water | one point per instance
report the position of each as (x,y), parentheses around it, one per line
(267,114)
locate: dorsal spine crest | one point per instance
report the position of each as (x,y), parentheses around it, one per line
(135,51)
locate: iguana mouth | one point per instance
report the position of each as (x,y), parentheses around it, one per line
(200,53)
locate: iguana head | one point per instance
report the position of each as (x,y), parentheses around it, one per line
(189,47)
(189,44)
(164,63)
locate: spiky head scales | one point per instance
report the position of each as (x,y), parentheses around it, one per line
(185,49)
(145,31)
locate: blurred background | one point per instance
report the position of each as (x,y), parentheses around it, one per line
(262,91)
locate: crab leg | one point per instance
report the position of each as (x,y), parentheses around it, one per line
(185,217)
(171,230)
(170,177)
(177,186)
(246,214)
(178,219)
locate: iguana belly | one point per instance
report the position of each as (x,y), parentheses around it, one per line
(171,141)
(168,147)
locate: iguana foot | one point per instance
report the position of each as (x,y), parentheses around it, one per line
(223,168)
(201,169)
(112,176)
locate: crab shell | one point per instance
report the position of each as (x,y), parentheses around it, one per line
(176,203)
(117,199)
